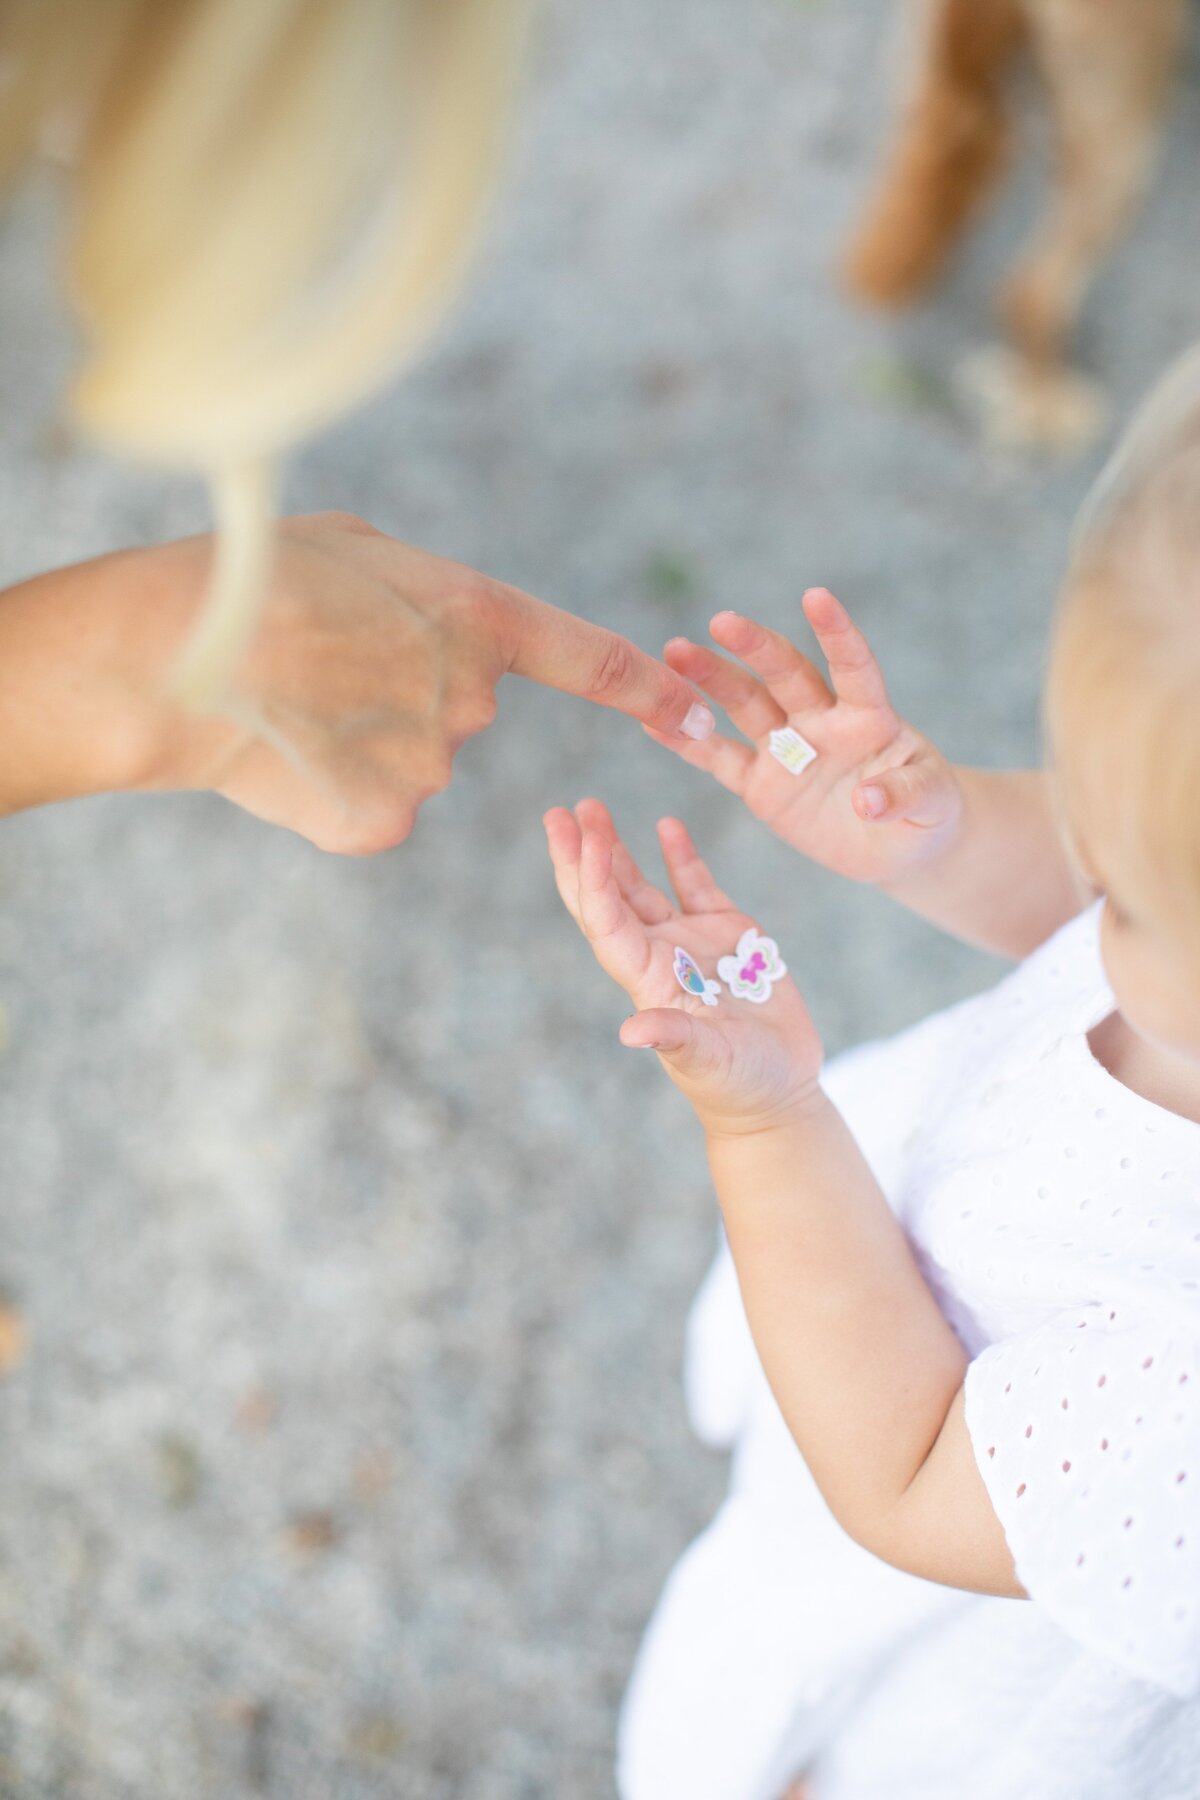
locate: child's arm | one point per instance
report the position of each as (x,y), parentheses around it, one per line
(1005,881)
(976,852)
(866,1370)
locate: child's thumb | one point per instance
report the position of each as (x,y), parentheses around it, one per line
(916,792)
(673,1033)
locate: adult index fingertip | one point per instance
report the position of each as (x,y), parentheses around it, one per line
(698,722)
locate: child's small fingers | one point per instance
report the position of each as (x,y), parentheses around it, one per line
(601,906)
(853,670)
(793,680)
(562,834)
(593,815)
(563,840)
(690,875)
(648,902)
(614,931)
(595,867)
(744,698)
(725,760)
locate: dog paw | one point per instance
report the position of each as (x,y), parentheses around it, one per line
(1021,407)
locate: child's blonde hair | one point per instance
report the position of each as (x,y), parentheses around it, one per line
(272,201)
(1123,698)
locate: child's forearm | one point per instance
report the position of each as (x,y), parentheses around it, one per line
(1006,883)
(859,1356)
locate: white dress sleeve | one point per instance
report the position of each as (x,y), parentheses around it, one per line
(1087,1433)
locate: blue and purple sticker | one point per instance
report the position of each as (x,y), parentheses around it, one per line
(692,981)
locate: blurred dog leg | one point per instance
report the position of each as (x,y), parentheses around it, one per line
(1106,65)
(952,144)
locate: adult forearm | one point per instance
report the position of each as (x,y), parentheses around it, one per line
(1006,882)
(861,1360)
(76,715)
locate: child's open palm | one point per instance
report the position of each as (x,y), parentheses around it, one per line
(878,801)
(741,1063)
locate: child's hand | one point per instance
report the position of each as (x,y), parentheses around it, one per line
(878,802)
(744,1065)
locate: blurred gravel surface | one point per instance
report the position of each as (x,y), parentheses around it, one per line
(345,1456)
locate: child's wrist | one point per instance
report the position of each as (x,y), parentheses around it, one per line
(945,847)
(806,1103)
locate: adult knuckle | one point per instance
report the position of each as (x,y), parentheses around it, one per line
(383,831)
(429,770)
(477,598)
(614,669)
(441,771)
(336,518)
(362,843)
(474,712)
(475,619)
(395,828)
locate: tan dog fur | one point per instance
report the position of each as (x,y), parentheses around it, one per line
(1105,67)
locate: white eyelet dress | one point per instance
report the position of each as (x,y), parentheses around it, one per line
(1056,1217)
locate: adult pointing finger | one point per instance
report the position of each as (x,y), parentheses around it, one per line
(373,664)
(562,651)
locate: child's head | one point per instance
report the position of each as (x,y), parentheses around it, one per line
(1123,710)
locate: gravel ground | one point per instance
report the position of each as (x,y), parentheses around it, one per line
(347,1455)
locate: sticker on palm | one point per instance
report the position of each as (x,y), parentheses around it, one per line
(754,969)
(691,979)
(789,748)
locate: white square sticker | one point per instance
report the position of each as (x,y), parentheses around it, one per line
(790,749)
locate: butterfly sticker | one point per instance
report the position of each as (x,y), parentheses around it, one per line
(754,968)
(789,748)
(692,981)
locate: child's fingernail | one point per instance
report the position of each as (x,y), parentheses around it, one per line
(874,802)
(699,722)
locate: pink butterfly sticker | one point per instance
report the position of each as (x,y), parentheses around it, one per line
(753,970)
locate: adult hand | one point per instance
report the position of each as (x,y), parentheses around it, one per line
(372,665)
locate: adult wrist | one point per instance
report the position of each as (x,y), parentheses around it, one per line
(80,652)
